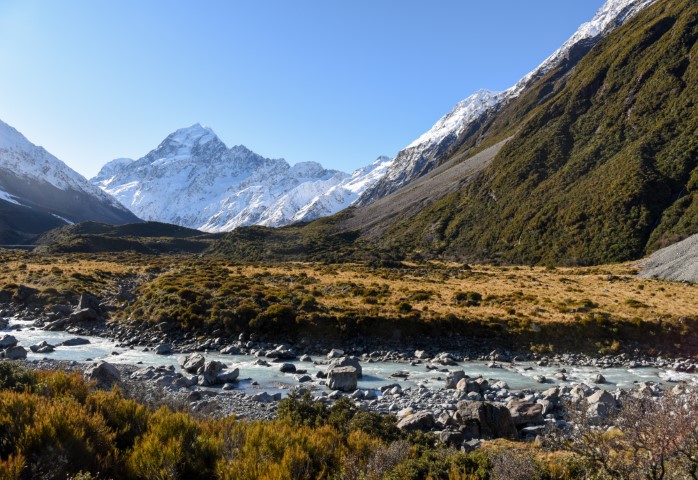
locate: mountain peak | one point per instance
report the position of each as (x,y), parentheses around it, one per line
(196,134)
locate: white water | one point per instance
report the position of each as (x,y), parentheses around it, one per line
(519,376)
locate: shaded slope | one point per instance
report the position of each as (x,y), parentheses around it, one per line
(471,118)
(39,192)
(145,237)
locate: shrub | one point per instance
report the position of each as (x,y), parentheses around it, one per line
(288,451)
(302,410)
(404,307)
(56,437)
(12,467)
(469,299)
(174,447)
(14,377)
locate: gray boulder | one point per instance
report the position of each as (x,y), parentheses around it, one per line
(8,341)
(74,342)
(423,421)
(523,412)
(16,353)
(287,368)
(104,374)
(454,377)
(88,301)
(346,362)
(602,396)
(192,363)
(43,347)
(335,353)
(83,315)
(343,378)
(163,349)
(262,397)
(228,377)
(209,373)
(491,421)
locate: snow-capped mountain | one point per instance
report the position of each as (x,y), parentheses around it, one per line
(192,179)
(41,192)
(421,155)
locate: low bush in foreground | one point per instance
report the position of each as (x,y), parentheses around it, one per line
(53,425)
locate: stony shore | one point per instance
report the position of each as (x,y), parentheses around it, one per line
(462,411)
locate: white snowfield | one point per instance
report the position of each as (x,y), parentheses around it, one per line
(192,179)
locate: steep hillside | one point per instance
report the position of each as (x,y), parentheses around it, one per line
(467,124)
(590,164)
(39,192)
(605,170)
(193,179)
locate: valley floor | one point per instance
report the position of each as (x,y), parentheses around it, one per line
(508,316)
(605,309)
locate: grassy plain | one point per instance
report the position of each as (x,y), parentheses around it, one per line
(535,305)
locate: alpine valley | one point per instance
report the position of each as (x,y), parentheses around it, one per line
(512,296)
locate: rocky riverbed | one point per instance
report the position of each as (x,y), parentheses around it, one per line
(462,396)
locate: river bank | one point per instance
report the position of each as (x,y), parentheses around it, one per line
(423,386)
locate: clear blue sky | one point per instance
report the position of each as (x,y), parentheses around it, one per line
(337,82)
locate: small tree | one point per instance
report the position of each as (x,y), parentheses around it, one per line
(647,438)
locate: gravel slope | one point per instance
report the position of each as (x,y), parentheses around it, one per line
(675,262)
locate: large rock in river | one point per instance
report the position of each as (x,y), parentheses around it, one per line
(192,363)
(343,378)
(8,341)
(209,374)
(15,353)
(346,362)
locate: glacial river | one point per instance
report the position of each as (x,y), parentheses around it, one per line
(375,375)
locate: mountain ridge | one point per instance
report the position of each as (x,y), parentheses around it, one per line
(193,179)
(466,117)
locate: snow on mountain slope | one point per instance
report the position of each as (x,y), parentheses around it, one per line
(45,187)
(343,195)
(192,179)
(420,156)
(25,159)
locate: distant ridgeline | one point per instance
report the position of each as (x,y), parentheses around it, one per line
(595,161)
